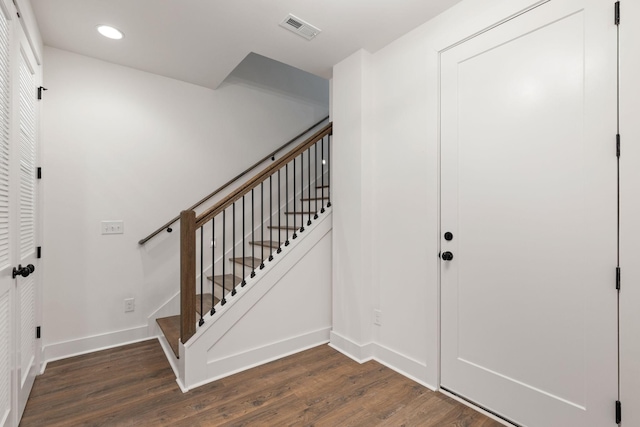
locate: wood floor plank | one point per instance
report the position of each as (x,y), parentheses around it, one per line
(135,386)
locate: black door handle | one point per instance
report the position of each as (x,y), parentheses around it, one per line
(23,271)
(447,256)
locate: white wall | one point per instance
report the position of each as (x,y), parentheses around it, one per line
(630,213)
(121,144)
(351,189)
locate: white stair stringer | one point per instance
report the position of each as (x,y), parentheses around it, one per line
(284,309)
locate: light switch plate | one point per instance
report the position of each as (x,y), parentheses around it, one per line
(112,227)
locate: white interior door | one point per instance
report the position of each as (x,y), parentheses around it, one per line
(528,191)
(7,347)
(27,346)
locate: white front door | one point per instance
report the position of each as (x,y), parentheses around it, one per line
(528,193)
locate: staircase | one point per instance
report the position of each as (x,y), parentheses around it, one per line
(226,247)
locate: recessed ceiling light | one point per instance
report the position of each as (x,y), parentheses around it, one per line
(110,32)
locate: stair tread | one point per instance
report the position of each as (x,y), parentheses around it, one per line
(322,186)
(229,280)
(247,261)
(206,302)
(284,227)
(268,243)
(300,213)
(170,327)
(315,198)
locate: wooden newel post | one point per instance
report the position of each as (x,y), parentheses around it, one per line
(187,275)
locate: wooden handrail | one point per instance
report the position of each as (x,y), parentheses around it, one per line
(231,181)
(235,195)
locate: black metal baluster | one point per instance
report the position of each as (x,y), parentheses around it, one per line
(213,262)
(309,183)
(244,259)
(301,192)
(224,270)
(279,217)
(233,248)
(322,173)
(201,322)
(315,180)
(270,218)
(286,201)
(261,225)
(253,237)
(329,171)
(295,228)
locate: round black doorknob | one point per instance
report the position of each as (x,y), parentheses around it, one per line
(27,270)
(447,256)
(448,236)
(23,271)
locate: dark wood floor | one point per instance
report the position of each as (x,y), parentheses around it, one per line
(135,386)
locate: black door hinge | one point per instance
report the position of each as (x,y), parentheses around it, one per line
(617,14)
(39,252)
(37,332)
(618,412)
(39,173)
(40,90)
(618,278)
(618,145)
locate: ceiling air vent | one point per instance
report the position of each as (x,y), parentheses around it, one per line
(301,28)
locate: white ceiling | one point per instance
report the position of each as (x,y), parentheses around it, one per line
(201,41)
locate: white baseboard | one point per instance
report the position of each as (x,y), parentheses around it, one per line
(168,352)
(65,349)
(404,365)
(240,362)
(359,352)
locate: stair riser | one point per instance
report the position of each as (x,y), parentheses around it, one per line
(217,290)
(283,233)
(242,270)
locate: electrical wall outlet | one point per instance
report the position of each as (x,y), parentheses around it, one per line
(112,227)
(129,305)
(377,317)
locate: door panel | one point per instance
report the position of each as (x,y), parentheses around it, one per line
(26,290)
(7,322)
(528,190)
(27,156)
(25,173)
(5,358)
